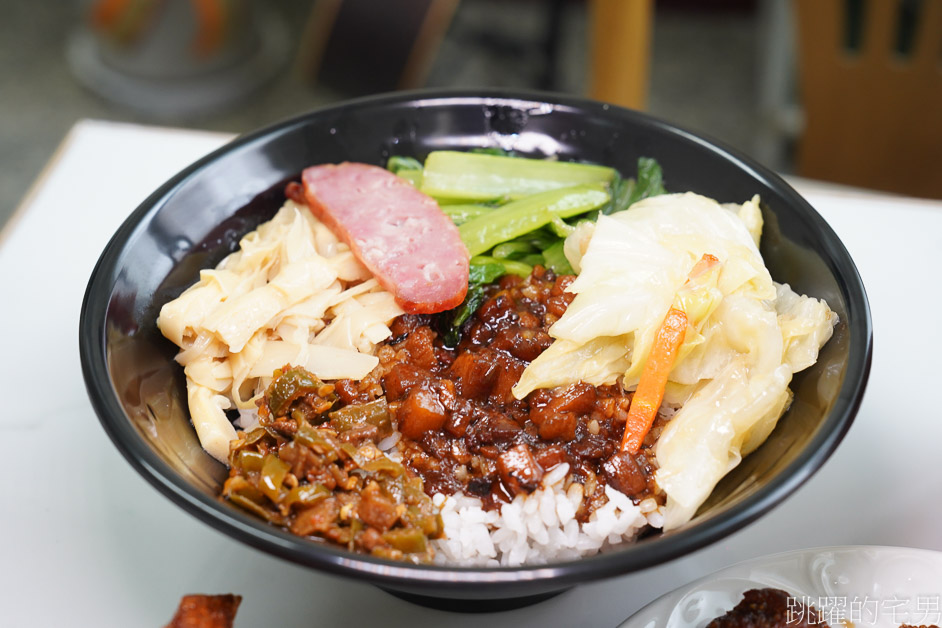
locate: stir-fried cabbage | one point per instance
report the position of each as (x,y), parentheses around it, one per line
(745,338)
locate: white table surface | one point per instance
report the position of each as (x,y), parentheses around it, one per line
(87,542)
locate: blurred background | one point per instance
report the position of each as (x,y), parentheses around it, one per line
(848,91)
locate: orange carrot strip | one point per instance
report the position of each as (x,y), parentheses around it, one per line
(704,264)
(650,392)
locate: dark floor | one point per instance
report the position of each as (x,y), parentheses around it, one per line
(703,74)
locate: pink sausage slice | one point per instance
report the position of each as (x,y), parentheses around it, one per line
(396,231)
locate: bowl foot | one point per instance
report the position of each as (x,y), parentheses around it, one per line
(472,606)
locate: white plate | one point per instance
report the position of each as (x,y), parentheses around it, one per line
(868,586)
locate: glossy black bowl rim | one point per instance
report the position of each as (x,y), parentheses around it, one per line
(500,581)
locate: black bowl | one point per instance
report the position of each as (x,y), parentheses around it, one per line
(197,217)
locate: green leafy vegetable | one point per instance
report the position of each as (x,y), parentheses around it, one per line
(627,192)
(479,275)
(555,259)
(450,174)
(531,212)
(515,249)
(396,163)
(650,179)
(491,150)
(412,176)
(485,272)
(508,266)
(511,211)
(463,212)
(540,239)
(560,227)
(407,168)
(621,191)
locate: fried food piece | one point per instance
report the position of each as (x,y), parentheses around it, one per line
(206,611)
(769,608)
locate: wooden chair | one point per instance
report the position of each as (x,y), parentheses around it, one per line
(873,114)
(620,51)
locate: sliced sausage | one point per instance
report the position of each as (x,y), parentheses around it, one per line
(396,231)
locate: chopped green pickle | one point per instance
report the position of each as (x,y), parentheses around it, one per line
(273,474)
(375,413)
(288,386)
(407,540)
(306,495)
(248,460)
(321,475)
(384,465)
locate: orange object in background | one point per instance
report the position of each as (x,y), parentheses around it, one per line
(620,48)
(106,12)
(177,59)
(210,25)
(873,112)
(125,21)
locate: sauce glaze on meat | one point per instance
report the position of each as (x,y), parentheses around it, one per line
(462,428)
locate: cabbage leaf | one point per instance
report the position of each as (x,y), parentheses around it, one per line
(746,335)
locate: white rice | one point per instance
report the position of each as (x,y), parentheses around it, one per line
(247,421)
(537,528)
(532,529)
